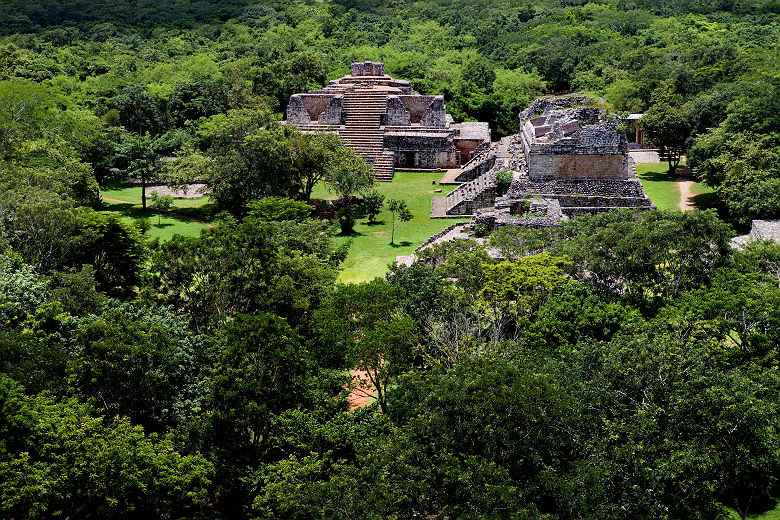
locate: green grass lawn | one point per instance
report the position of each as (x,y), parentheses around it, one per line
(371,251)
(663,191)
(659,185)
(772,514)
(134,195)
(182,220)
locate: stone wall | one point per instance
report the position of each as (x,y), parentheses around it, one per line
(416,106)
(478,166)
(367,68)
(305,109)
(425,159)
(296,112)
(466,147)
(577,166)
(541,213)
(524,186)
(436,115)
(427,111)
(396,114)
(644,156)
(542,105)
(422,140)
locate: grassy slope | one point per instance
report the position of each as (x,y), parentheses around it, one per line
(169,223)
(371,251)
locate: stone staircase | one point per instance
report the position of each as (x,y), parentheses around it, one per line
(363,110)
(468,197)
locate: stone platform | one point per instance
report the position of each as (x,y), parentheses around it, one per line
(386,122)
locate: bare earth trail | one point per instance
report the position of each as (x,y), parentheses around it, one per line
(363,393)
(172,212)
(686,195)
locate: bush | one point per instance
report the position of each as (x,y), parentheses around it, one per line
(503,181)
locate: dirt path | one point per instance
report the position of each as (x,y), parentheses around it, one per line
(173,212)
(118,201)
(686,195)
(363,393)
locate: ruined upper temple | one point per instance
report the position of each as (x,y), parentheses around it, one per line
(568,159)
(386,122)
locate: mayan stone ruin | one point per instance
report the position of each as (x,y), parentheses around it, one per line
(567,160)
(386,122)
(760,230)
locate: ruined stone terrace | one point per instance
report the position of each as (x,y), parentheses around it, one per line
(383,120)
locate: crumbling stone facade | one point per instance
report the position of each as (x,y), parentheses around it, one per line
(385,121)
(760,230)
(566,156)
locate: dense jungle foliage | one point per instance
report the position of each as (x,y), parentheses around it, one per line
(620,366)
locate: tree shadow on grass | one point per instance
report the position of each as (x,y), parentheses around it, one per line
(403,243)
(206,213)
(657,176)
(706,201)
(352,233)
(136,212)
(711,200)
(374,223)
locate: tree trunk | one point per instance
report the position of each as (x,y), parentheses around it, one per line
(143,190)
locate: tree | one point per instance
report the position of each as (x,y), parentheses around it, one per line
(139,112)
(249,161)
(372,202)
(114,247)
(668,124)
(25,111)
(57,457)
(400,208)
(138,158)
(348,175)
(316,153)
(279,208)
(161,203)
(259,373)
(139,363)
(253,266)
(200,97)
(645,258)
(520,288)
(514,90)
(360,324)
(22,290)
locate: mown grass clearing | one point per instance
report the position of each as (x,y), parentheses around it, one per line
(187,216)
(662,188)
(371,252)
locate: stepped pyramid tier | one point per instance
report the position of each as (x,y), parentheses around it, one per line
(385,121)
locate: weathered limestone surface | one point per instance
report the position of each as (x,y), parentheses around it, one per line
(383,120)
(469,136)
(568,158)
(577,166)
(760,230)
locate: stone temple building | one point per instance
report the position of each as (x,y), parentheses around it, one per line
(567,160)
(386,122)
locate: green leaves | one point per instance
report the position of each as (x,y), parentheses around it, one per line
(519,288)
(58,457)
